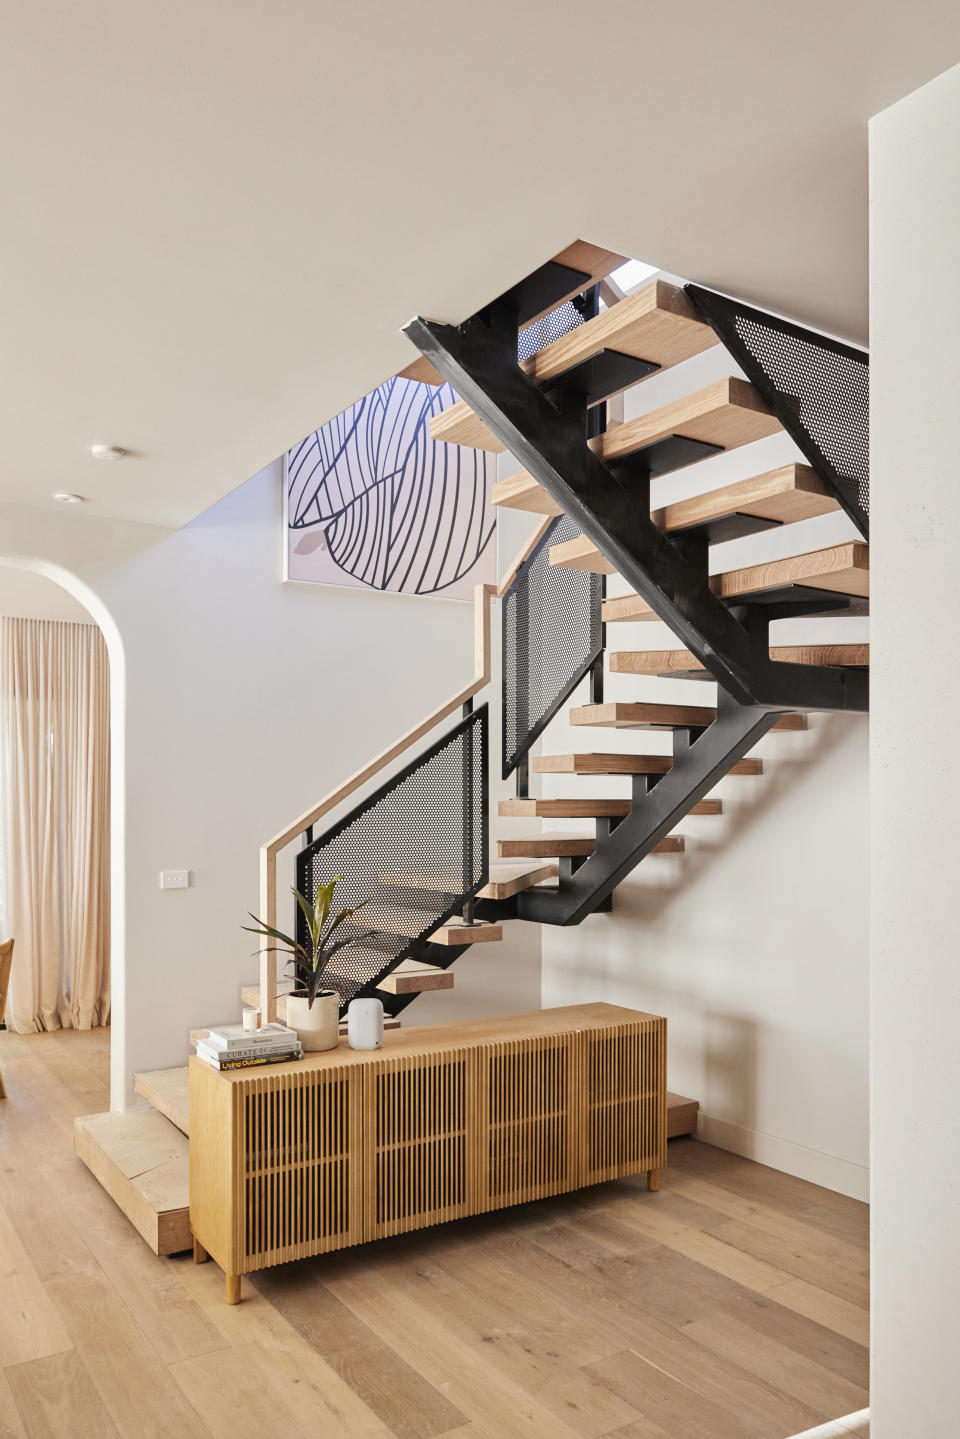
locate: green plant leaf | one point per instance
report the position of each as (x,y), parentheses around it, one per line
(307,911)
(343,915)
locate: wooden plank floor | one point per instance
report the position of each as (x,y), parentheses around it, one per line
(731,1305)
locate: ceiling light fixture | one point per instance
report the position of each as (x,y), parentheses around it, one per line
(67,499)
(107,452)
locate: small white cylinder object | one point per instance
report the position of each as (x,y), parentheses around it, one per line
(365,1024)
(251,1021)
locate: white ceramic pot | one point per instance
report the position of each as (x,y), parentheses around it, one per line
(318,1026)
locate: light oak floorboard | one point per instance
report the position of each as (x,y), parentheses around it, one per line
(11,1421)
(57,1396)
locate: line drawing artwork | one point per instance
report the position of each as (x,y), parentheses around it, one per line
(373,501)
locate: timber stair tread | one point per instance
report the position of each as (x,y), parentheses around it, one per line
(623,764)
(587,265)
(572,846)
(682,664)
(644,714)
(250,994)
(583,808)
(657,323)
(412,976)
(412,923)
(142,1161)
(775,498)
(726,414)
(168,1091)
(503,881)
(837,570)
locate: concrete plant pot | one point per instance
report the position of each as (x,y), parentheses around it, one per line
(317,1026)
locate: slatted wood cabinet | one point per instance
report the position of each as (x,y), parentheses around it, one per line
(341,1147)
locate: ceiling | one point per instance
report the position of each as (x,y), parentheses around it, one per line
(218,216)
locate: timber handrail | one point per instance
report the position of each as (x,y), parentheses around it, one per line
(483,596)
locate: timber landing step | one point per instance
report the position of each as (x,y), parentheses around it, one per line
(142,1161)
(631,714)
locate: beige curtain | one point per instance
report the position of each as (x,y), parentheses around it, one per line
(55,776)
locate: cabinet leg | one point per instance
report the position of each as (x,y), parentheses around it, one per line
(653,1179)
(233,1288)
(200,1255)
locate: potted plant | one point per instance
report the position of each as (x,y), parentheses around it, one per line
(313,1012)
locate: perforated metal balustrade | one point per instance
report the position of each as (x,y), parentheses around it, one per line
(414,851)
(552,634)
(818,387)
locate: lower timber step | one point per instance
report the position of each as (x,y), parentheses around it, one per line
(681,1115)
(250,994)
(142,1161)
(629,714)
(168,1091)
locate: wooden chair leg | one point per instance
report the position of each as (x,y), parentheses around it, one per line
(233,1288)
(653,1179)
(3,1092)
(200,1255)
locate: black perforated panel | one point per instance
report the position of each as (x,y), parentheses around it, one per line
(552,632)
(414,851)
(558,322)
(818,387)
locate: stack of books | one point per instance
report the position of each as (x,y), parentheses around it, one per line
(233,1047)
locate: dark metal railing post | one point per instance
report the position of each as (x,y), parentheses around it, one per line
(468,797)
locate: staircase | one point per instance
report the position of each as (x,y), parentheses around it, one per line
(539,372)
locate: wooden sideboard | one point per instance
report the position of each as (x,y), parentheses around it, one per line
(296,1159)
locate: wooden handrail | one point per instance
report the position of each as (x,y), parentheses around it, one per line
(483,595)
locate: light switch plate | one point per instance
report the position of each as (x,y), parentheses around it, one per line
(174,879)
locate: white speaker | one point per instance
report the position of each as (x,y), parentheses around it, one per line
(365,1024)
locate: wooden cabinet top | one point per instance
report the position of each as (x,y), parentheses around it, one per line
(434,1038)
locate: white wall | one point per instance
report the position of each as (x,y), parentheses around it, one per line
(915,1056)
(241,701)
(753,943)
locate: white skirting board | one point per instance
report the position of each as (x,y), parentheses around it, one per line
(854,1426)
(840,1175)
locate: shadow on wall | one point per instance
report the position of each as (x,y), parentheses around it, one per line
(781,774)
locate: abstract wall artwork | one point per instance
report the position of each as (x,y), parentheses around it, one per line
(373,502)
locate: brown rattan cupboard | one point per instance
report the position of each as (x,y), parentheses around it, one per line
(291,1160)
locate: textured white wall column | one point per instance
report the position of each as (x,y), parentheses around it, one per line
(915,1047)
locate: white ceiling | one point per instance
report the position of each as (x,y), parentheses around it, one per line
(217,216)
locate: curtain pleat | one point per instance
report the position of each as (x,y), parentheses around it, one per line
(55,774)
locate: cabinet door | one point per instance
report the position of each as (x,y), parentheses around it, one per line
(625,1099)
(298,1170)
(528,1110)
(419,1141)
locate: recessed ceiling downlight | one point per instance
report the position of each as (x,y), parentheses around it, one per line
(107,452)
(64,498)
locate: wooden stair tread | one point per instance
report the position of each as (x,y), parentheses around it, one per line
(570,846)
(839,570)
(581,553)
(455,932)
(628,714)
(422,370)
(459,425)
(522,492)
(683,663)
(622,764)
(787,494)
(509,877)
(142,1161)
(168,1091)
(583,808)
(657,323)
(780,497)
(728,413)
(681,1115)
(412,977)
